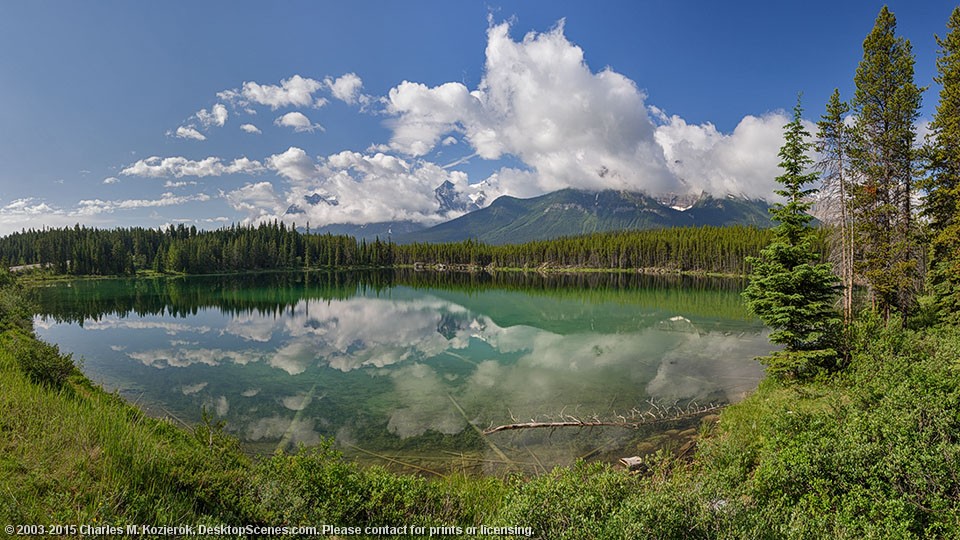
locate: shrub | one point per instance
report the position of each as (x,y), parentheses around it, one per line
(42,362)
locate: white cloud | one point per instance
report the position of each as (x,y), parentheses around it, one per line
(375,188)
(190,389)
(298,121)
(217,116)
(35,213)
(88,207)
(293,164)
(178,167)
(256,200)
(539,101)
(189,132)
(298,431)
(295,91)
(111,180)
(27,207)
(169,184)
(184,357)
(366,187)
(345,88)
(250,128)
(743,162)
(424,114)
(923,131)
(169,328)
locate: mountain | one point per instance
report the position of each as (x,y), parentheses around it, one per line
(730,210)
(368,231)
(571,212)
(451,200)
(313,200)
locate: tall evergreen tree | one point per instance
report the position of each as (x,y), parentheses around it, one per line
(942,163)
(788,290)
(886,103)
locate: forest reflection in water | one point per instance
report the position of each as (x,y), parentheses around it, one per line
(407,365)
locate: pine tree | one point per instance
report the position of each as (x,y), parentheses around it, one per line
(942,163)
(886,104)
(788,290)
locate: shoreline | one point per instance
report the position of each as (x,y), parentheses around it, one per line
(30,277)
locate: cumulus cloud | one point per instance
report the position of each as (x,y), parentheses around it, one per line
(256,200)
(178,167)
(111,180)
(189,132)
(250,128)
(217,116)
(743,162)
(33,213)
(356,188)
(296,91)
(293,164)
(425,114)
(27,207)
(298,121)
(539,101)
(345,88)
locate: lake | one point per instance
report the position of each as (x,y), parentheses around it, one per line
(405,369)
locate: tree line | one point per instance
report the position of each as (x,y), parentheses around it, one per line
(87,251)
(688,249)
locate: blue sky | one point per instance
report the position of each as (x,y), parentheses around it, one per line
(103,105)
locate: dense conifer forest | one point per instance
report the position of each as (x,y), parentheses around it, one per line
(270,246)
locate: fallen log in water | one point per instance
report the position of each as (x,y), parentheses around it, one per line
(646,419)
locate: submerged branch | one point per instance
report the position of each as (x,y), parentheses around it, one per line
(649,417)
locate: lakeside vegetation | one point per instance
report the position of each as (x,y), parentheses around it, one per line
(867,446)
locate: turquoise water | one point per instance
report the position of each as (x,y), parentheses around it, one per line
(405,369)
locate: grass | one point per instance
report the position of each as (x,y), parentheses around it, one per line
(75,454)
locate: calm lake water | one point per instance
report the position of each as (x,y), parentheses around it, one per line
(402,368)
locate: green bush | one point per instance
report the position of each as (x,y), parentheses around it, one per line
(569,503)
(42,362)
(316,485)
(14,312)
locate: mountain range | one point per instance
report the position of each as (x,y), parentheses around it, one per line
(566,212)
